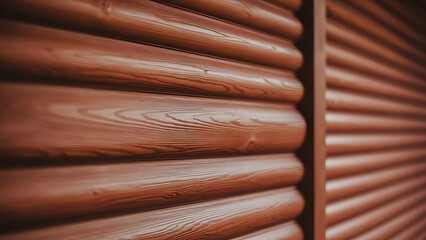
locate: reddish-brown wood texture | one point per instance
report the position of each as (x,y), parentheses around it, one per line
(159,24)
(285,231)
(219,219)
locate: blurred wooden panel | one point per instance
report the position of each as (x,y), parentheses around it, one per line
(353,185)
(59,122)
(412,231)
(159,24)
(59,192)
(359,224)
(293,5)
(338,211)
(346,165)
(61,56)
(225,218)
(285,231)
(251,13)
(354,122)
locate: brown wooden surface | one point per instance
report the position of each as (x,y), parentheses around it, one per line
(159,24)
(341,210)
(59,192)
(67,57)
(412,231)
(285,231)
(353,185)
(251,13)
(364,222)
(293,5)
(225,218)
(74,122)
(346,165)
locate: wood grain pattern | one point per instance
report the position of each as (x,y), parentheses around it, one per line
(358,225)
(346,165)
(338,77)
(412,231)
(293,5)
(349,186)
(60,122)
(251,13)
(341,210)
(356,143)
(360,21)
(285,231)
(159,24)
(354,122)
(396,225)
(58,192)
(61,56)
(364,103)
(225,218)
(344,56)
(347,36)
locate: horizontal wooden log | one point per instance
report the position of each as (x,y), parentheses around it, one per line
(342,12)
(406,12)
(286,231)
(352,80)
(355,143)
(347,57)
(347,36)
(353,122)
(60,122)
(346,187)
(358,225)
(259,15)
(339,166)
(412,231)
(392,21)
(350,207)
(293,5)
(396,225)
(58,192)
(61,56)
(159,24)
(225,218)
(358,102)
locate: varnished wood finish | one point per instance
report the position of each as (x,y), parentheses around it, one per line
(413,230)
(159,24)
(341,210)
(59,192)
(103,123)
(344,165)
(352,185)
(357,225)
(290,4)
(61,56)
(285,231)
(219,219)
(251,13)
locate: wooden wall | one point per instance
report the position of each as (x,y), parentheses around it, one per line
(376,141)
(125,119)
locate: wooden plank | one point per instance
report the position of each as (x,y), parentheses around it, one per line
(259,15)
(285,231)
(339,55)
(67,57)
(358,225)
(415,229)
(363,103)
(225,218)
(356,143)
(396,225)
(341,210)
(42,122)
(346,165)
(347,36)
(159,24)
(349,186)
(59,192)
(338,77)
(292,5)
(353,122)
